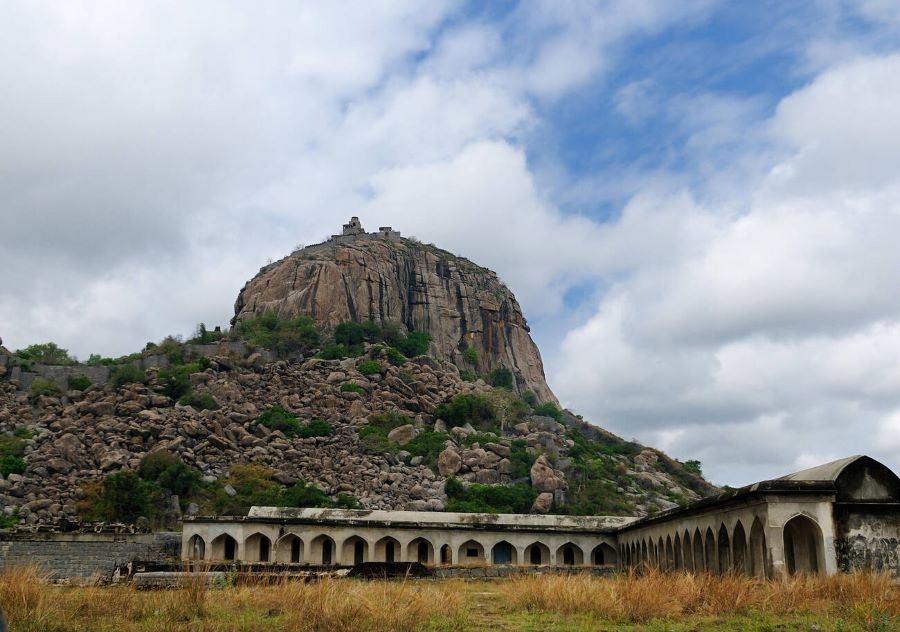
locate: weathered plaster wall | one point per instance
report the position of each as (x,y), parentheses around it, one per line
(868,538)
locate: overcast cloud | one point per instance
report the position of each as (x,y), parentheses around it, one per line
(702,234)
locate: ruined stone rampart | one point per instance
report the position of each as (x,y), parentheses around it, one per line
(86,557)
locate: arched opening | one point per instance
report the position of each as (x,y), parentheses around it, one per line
(446,555)
(387,549)
(669,563)
(471,552)
(645,555)
(688,552)
(569,555)
(739,549)
(224,547)
(196,548)
(322,550)
(724,550)
(758,554)
(660,554)
(257,548)
(354,551)
(803,546)
(699,559)
(421,550)
(712,560)
(604,555)
(679,560)
(503,553)
(289,549)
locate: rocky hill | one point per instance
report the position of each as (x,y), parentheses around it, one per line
(266,414)
(383,278)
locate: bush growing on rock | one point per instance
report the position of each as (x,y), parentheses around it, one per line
(470,356)
(40,386)
(548,409)
(350,387)
(120,497)
(199,401)
(467,376)
(427,445)
(126,374)
(284,337)
(530,398)
(477,410)
(395,357)
(501,377)
(478,498)
(254,485)
(79,382)
(46,353)
(369,367)
(277,418)
(414,344)
(169,472)
(10,464)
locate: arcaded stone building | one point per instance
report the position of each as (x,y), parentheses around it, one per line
(835,517)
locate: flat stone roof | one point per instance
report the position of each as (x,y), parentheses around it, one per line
(425,519)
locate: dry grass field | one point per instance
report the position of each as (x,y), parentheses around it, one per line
(653,601)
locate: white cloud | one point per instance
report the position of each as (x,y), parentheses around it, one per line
(783,311)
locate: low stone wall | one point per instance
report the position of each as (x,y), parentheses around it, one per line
(86,557)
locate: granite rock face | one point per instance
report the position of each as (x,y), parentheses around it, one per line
(460,304)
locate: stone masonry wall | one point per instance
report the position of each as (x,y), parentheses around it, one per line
(86,557)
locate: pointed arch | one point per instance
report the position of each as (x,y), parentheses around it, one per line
(224,547)
(688,551)
(679,559)
(446,554)
(504,553)
(354,550)
(669,561)
(196,548)
(387,549)
(739,561)
(804,549)
(421,550)
(471,552)
(323,550)
(759,554)
(569,554)
(537,554)
(289,549)
(604,555)
(709,546)
(724,549)
(699,552)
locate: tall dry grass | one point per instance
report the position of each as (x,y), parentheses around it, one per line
(652,595)
(329,605)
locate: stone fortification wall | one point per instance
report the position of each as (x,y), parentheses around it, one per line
(86,557)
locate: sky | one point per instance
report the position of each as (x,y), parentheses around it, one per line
(697,203)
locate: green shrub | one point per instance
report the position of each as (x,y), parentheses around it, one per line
(284,337)
(389,420)
(548,409)
(427,445)
(126,374)
(530,398)
(406,377)
(10,464)
(480,437)
(169,472)
(175,380)
(470,356)
(501,377)
(520,459)
(693,466)
(40,386)
(351,333)
(374,439)
(414,344)
(478,498)
(46,353)
(475,409)
(124,497)
(277,418)
(350,387)
(339,352)
(315,428)
(395,357)
(467,376)
(369,367)
(345,501)
(79,382)
(199,401)
(8,522)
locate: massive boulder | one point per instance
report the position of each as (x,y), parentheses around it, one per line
(421,287)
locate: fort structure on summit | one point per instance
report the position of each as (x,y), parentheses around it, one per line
(353,231)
